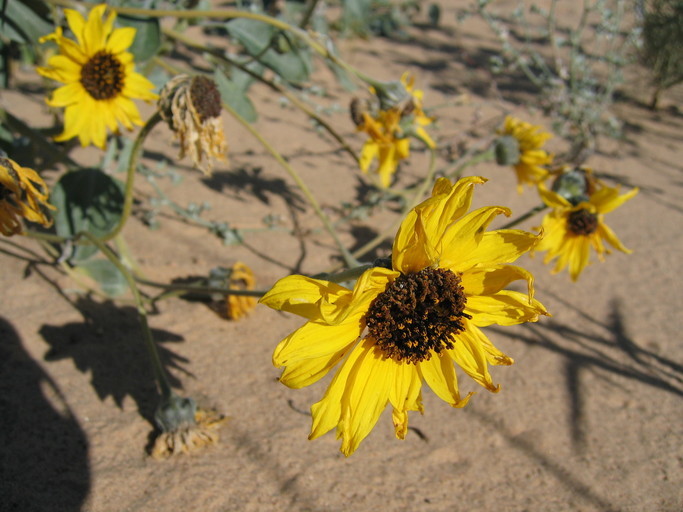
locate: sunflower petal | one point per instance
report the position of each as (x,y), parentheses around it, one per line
(305,373)
(439,374)
(606,232)
(503,308)
(365,397)
(305,296)
(490,280)
(607,199)
(471,357)
(315,339)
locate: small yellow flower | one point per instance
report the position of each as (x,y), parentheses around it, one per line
(99,77)
(410,323)
(532,157)
(190,438)
(192,108)
(400,116)
(241,278)
(386,143)
(421,119)
(570,230)
(23,193)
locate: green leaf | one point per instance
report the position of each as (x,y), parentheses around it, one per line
(24,22)
(106,274)
(256,37)
(87,200)
(147,36)
(233,95)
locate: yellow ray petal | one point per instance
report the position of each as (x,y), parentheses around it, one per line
(503,308)
(606,232)
(120,39)
(305,373)
(67,95)
(580,256)
(471,357)
(608,199)
(495,247)
(464,236)
(418,252)
(315,339)
(439,374)
(492,354)
(327,412)
(365,397)
(490,280)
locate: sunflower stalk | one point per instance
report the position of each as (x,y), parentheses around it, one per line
(349,259)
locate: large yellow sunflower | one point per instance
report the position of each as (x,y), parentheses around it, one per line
(23,193)
(570,230)
(99,75)
(408,324)
(531,155)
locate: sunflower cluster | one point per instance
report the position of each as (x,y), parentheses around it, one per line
(578,200)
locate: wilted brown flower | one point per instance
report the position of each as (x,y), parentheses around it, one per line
(241,278)
(192,108)
(189,438)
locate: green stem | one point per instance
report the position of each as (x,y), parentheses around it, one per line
(524,217)
(130,174)
(204,290)
(348,257)
(347,275)
(159,373)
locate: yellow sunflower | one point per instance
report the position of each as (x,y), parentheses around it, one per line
(386,143)
(409,323)
(530,157)
(23,193)
(99,75)
(415,108)
(570,231)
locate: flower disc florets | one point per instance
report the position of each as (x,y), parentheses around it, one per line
(418,314)
(582,222)
(103,76)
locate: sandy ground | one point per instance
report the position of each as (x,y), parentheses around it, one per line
(589,417)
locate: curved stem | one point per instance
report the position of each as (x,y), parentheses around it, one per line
(524,217)
(205,290)
(417,197)
(348,257)
(159,373)
(130,174)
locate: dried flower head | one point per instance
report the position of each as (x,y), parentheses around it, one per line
(190,437)
(241,278)
(23,194)
(192,108)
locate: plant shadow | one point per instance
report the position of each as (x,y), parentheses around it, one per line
(44,463)
(109,345)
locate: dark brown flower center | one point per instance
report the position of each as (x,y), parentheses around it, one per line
(103,76)
(205,98)
(418,314)
(582,222)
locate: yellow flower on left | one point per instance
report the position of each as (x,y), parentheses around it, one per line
(99,77)
(23,193)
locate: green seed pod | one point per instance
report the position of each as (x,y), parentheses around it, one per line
(507,150)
